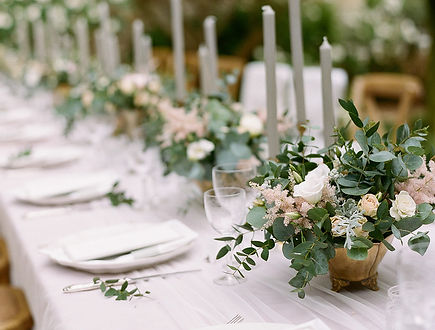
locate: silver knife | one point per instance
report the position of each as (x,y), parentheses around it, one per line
(96,284)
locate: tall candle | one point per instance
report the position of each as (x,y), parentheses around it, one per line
(211,43)
(39,40)
(116,55)
(178,49)
(204,69)
(146,45)
(23,39)
(82,37)
(99,48)
(104,14)
(328,107)
(269,46)
(138,55)
(297,58)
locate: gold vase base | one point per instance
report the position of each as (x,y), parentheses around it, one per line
(370,283)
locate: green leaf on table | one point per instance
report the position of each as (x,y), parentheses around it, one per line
(419,243)
(124,286)
(281,231)
(382,156)
(224,239)
(396,232)
(103,287)
(256,217)
(265,254)
(111,292)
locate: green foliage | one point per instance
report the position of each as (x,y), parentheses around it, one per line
(117,197)
(107,287)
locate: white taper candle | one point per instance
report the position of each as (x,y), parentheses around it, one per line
(138,56)
(269,44)
(328,106)
(211,43)
(178,49)
(204,69)
(82,38)
(297,58)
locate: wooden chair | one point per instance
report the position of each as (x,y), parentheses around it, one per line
(388,97)
(227,64)
(4,263)
(14,311)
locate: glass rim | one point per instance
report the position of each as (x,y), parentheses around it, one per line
(245,166)
(211,192)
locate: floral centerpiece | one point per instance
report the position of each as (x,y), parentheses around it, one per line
(337,210)
(206,132)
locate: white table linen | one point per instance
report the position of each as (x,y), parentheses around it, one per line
(185,301)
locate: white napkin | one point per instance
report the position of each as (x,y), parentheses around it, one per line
(114,240)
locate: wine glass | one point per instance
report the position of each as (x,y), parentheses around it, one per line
(416,289)
(235,175)
(225,208)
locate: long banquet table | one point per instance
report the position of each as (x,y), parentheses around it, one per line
(185,301)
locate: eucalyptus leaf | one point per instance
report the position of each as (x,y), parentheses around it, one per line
(419,243)
(281,231)
(256,217)
(382,156)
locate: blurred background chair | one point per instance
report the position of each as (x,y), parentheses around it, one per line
(386,97)
(4,263)
(14,311)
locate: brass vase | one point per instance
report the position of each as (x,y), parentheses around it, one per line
(344,270)
(204,185)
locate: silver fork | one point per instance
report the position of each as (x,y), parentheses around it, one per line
(236,319)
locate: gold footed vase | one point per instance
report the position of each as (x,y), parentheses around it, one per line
(204,185)
(344,270)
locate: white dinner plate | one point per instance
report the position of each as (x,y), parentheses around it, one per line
(43,157)
(64,190)
(126,262)
(28,133)
(315,324)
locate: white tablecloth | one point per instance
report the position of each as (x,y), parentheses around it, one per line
(184,301)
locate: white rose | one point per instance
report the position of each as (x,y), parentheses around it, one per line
(311,191)
(5,20)
(154,86)
(403,206)
(127,85)
(319,173)
(142,99)
(368,205)
(87,98)
(251,123)
(199,150)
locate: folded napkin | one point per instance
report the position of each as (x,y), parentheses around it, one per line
(115,240)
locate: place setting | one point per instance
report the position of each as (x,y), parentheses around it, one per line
(181,164)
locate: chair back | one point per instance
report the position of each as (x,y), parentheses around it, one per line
(386,97)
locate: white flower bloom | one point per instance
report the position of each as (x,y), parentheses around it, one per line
(132,82)
(33,12)
(311,189)
(5,20)
(251,123)
(142,99)
(154,86)
(87,98)
(199,150)
(75,4)
(403,206)
(368,205)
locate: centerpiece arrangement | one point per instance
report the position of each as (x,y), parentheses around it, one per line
(338,209)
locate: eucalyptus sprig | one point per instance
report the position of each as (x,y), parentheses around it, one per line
(107,287)
(21,154)
(117,197)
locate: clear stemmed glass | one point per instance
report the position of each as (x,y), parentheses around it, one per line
(416,289)
(235,175)
(225,208)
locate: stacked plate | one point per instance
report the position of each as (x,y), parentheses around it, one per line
(121,248)
(42,157)
(64,190)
